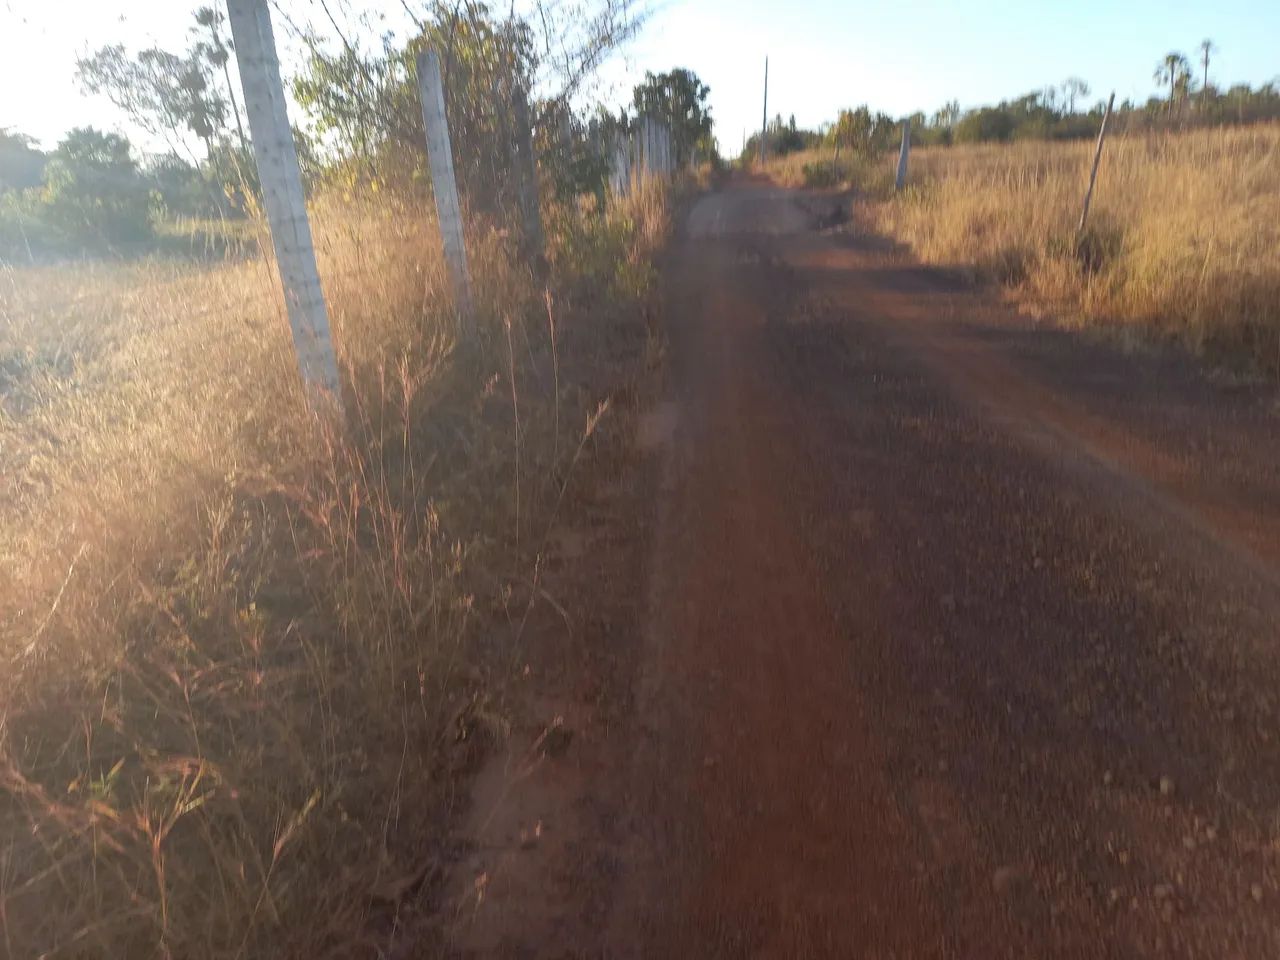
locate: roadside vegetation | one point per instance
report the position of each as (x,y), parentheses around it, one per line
(250,651)
(1183,240)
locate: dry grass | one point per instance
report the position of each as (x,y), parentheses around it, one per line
(1184,237)
(820,168)
(238,639)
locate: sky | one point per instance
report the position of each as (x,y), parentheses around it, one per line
(898,57)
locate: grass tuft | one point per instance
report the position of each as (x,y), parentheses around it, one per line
(246,647)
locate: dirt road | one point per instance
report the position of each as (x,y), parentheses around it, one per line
(959,637)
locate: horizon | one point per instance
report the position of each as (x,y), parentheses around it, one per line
(922,69)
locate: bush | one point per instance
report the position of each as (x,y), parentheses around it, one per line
(823,174)
(94,191)
(23,231)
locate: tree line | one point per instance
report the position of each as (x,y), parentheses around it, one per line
(1187,98)
(359,124)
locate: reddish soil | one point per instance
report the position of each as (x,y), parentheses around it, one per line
(913,630)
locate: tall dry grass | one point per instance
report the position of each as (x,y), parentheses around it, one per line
(1183,240)
(239,638)
(820,168)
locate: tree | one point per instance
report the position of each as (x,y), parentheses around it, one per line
(948,115)
(93,189)
(1074,88)
(985,124)
(363,108)
(163,93)
(1174,69)
(678,99)
(1206,50)
(21,164)
(218,54)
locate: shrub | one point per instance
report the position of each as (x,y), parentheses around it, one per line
(93,189)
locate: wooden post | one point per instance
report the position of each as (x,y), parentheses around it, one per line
(902,156)
(276,157)
(1097,158)
(764,122)
(444,185)
(526,165)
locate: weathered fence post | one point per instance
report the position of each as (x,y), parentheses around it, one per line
(644,151)
(1097,158)
(902,156)
(527,180)
(622,163)
(764,122)
(650,147)
(282,195)
(444,185)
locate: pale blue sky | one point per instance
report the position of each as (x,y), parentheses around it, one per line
(824,54)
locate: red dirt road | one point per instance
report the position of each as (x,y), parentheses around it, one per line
(959,638)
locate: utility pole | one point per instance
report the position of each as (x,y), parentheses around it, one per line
(282,196)
(444,185)
(764,123)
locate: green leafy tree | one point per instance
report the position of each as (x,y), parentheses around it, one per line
(94,190)
(365,110)
(985,124)
(679,100)
(21,164)
(165,94)
(216,51)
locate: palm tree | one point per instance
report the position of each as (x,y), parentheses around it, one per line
(1072,88)
(1173,68)
(1206,49)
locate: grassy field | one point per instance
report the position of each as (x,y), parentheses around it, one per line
(1183,241)
(241,666)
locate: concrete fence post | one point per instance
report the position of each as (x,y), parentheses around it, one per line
(646,148)
(903,155)
(276,157)
(764,114)
(445,185)
(620,147)
(1097,158)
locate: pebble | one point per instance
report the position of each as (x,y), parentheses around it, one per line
(1256,892)
(1166,787)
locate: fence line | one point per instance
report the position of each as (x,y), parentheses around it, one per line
(643,153)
